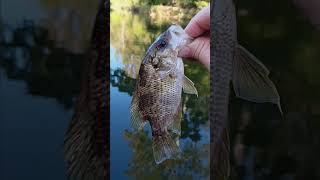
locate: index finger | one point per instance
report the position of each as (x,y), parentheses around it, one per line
(200,23)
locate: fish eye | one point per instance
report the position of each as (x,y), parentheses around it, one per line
(176,32)
(161,45)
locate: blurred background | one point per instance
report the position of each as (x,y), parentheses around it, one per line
(42,49)
(266,145)
(134,26)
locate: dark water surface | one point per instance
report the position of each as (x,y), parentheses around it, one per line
(42,46)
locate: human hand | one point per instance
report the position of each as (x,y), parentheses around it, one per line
(199,28)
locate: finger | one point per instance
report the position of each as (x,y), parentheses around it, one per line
(200,23)
(199,49)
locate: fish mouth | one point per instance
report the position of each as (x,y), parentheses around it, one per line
(188,39)
(185,41)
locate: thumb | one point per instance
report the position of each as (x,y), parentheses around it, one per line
(199,49)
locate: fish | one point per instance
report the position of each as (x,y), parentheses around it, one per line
(87,137)
(157,95)
(232,64)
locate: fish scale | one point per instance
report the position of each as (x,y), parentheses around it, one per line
(157,96)
(221,67)
(155,101)
(223,45)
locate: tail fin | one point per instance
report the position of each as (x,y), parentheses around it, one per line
(220,159)
(164,147)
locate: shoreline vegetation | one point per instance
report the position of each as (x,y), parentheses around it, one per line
(161,12)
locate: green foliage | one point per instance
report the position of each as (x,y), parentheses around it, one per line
(201,4)
(167,15)
(186,3)
(117,4)
(159,2)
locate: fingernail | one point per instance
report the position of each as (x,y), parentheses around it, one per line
(184,52)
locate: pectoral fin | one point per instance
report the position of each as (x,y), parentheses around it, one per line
(188,86)
(136,121)
(251,81)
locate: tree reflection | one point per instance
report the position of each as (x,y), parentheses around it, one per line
(48,71)
(193,163)
(49,55)
(124,83)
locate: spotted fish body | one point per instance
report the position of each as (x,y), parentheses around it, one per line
(157,97)
(230,62)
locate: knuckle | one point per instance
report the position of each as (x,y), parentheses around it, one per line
(200,49)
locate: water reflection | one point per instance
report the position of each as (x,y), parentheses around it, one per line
(41,66)
(131,34)
(49,71)
(43,55)
(192,165)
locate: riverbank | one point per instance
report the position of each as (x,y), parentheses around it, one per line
(160,14)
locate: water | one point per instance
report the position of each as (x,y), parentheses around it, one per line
(42,47)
